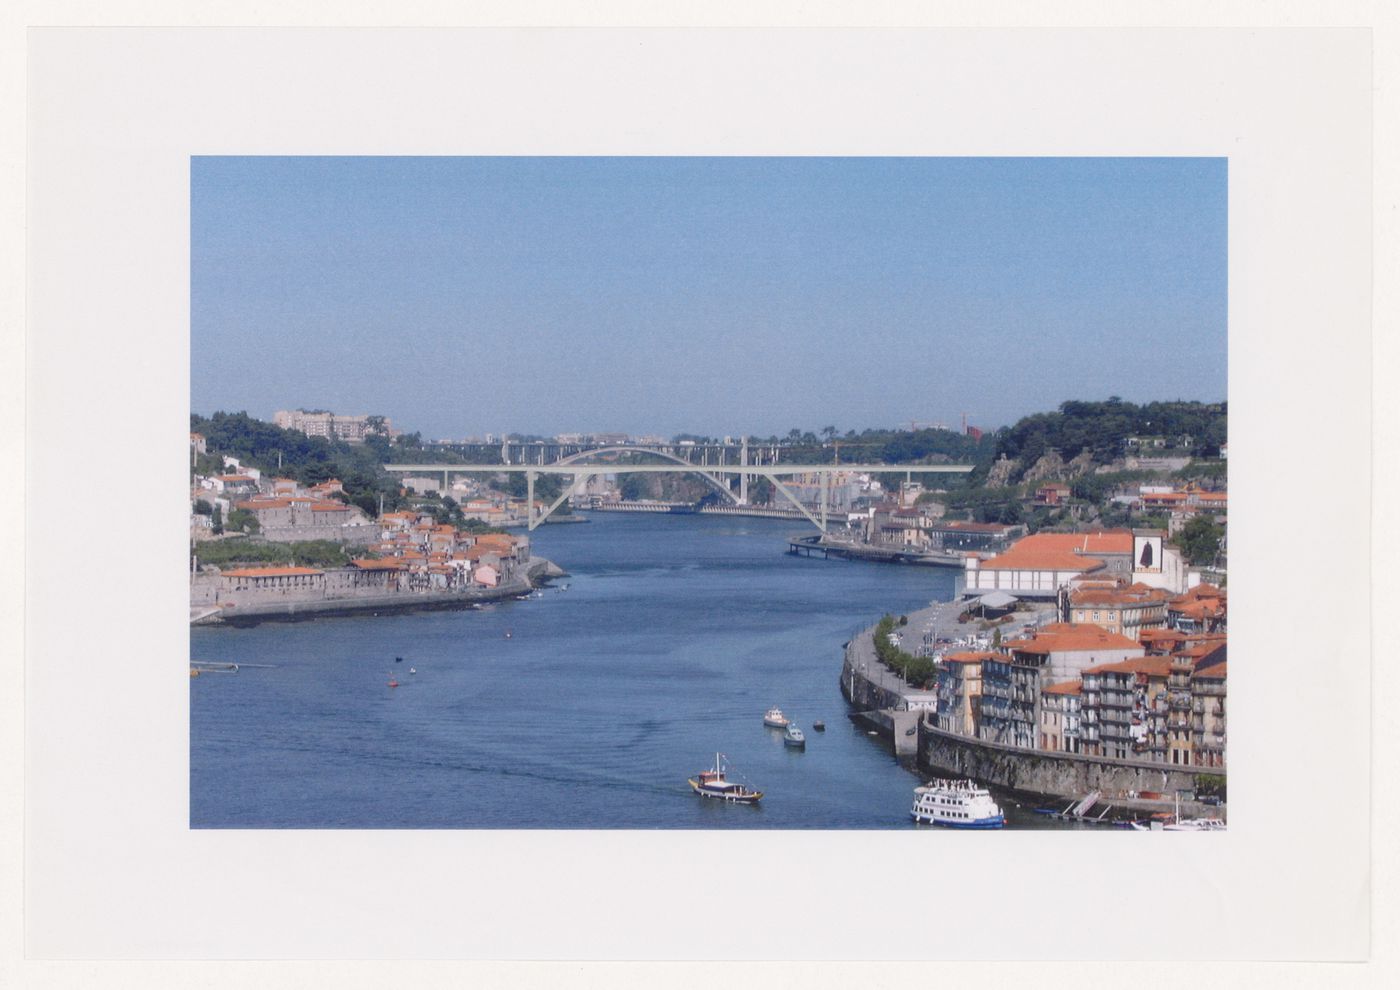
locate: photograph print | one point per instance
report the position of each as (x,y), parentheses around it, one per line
(708,493)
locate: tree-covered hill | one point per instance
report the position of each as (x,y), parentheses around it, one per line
(1102,429)
(310,460)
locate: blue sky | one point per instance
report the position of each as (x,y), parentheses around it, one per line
(460,296)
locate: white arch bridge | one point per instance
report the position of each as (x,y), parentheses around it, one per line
(581,473)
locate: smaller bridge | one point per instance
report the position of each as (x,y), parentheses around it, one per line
(581,473)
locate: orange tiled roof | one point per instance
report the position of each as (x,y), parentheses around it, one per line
(1215,673)
(365,564)
(1136,595)
(254,504)
(1062,551)
(1064,687)
(1065,637)
(1152,666)
(1201,650)
(973,656)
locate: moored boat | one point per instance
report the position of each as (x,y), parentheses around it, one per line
(714,784)
(956,804)
(819,725)
(793,737)
(775,719)
(1195,825)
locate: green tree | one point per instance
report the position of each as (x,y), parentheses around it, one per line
(761,491)
(1199,539)
(632,487)
(243,521)
(547,486)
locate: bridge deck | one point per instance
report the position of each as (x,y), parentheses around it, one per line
(606,468)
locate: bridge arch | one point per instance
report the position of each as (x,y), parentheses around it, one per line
(623,449)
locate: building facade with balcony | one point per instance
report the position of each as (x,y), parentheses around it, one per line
(1208,716)
(1010,708)
(959,690)
(1125,610)
(1060,717)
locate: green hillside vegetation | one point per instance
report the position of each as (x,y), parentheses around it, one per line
(312,460)
(312,553)
(1196,429)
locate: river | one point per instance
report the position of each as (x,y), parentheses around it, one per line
(580,708)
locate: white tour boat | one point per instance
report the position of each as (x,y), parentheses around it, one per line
(713,784)
(956,804)
(1195,825)
(774,718)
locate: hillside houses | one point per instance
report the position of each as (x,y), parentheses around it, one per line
(438,555)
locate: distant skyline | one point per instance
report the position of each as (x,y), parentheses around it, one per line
(461,296)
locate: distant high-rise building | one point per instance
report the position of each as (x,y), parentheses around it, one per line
(351,429)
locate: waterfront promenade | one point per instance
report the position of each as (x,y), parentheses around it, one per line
(866,681)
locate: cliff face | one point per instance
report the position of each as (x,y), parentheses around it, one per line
(1053,467)
(999,476)
(1050,467)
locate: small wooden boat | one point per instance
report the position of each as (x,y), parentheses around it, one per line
(819,725)
(714,784)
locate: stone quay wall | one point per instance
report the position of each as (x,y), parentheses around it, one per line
(212,607)
(354,536)
(1060,775)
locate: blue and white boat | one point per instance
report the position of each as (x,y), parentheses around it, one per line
(793,737)
(956,804)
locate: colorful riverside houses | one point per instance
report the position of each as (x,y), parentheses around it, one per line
(1117,707)
(959,691)
(1060,718)
(1208,715)
(1063,649)
(1012,684)
(1010,703)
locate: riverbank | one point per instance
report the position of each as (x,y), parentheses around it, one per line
(827,546)
(534,573)
(905,717)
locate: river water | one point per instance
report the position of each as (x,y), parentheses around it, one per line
(673,637)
